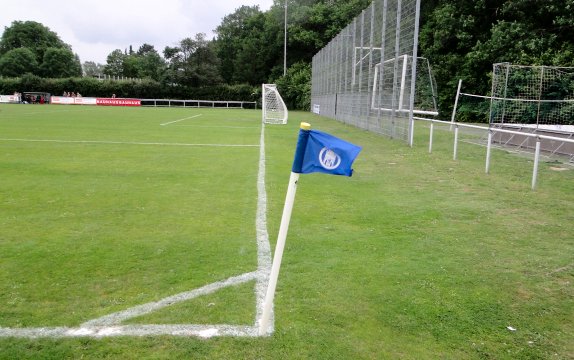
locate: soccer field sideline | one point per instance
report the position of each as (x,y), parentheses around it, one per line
(127,143)
(110,325)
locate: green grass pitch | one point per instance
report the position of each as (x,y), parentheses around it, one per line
(417,256)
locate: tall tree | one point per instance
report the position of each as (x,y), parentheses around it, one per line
(249,45)
(115,63)
(59,63)
(193,63)
(31,35)
(463,38)
(145,63)
(131,66)
(311,24)
(231,33)
(448,34)
(93,69)
(52,57)
(152,65)
(17,62)
(259,51)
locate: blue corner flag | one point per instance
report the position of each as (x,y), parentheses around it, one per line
(316,152)
(320,152)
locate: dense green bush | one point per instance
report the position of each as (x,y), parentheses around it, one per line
(295,87)
(142,89)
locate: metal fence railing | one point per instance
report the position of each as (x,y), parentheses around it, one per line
(225,104)
(541,143)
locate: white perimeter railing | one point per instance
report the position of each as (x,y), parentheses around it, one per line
(199,103)
(491,131)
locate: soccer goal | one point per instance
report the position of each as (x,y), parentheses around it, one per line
(525,99)
(523,96)
(540,97)
(274,109)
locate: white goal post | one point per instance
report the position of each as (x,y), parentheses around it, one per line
(274,109)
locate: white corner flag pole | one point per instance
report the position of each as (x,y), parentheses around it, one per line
(283,228)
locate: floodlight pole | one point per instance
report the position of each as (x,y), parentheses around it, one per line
(285,43)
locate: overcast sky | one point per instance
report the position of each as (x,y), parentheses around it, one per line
(96,28)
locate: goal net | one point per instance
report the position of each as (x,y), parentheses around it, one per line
(534,96)
(274,109)
(525,99)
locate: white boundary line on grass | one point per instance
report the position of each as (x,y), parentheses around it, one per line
(218,126)
(120,316)
(186,118)
(126,143)
(263,246)
(109,325)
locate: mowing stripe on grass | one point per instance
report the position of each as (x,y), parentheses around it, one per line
(186,118)
(127,143)
(54,111)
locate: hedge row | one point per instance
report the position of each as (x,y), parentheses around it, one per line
(141,89)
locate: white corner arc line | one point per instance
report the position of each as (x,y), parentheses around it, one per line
(178,120)
(118,317)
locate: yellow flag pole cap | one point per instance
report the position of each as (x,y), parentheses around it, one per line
(305,126)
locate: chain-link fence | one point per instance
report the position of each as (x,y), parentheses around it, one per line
(364,76)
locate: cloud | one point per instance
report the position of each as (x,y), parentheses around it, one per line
(95,29)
